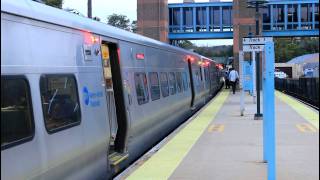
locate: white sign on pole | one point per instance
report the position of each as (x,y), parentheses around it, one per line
(253,48)
(258,40)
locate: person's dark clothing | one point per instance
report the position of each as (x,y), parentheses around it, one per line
(233,84)
(227,84)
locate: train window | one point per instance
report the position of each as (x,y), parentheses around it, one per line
(164,84)
(185,81)
(141,88)
(154,86)
(179,81)
(205,74)
(197,82)
(172,83)
(60,102)
(200,74)
(17,124)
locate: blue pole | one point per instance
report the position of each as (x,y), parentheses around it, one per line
(220,13)
(269,114)
(313,17)
(207,18)
(181,19)
(285,16)
(299,16)
(194,16)
(271,17)
(265,111)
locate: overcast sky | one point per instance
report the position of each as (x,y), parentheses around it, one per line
(104,8)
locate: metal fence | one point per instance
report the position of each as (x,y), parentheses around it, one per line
(307,89)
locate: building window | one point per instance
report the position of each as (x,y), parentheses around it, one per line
(306,16)
(174,19)
(201,19)
(292,16)
(266,17)
(227,18)
(17,124)
(141,88)
(214,17)
(154,86)
(60,102)
(188,19)
(316,15)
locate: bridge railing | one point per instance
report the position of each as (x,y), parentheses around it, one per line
(280,18)
(291,16)
(200,17)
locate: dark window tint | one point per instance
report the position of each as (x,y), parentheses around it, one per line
(197,80)
(154,85)
(179,81)
(16,111)
(60,102)
(141,88)
(164,84)
(185,81)
(172,83)
(200,74)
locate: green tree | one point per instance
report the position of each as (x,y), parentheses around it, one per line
(185,44)
(289,48)
(54,3)
(133,26)
(120,21)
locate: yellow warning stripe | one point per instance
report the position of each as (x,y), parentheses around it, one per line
(162,164)
(306,112)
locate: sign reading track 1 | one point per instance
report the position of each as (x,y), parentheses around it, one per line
(257,40)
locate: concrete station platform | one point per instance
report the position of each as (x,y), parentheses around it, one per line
(219,144)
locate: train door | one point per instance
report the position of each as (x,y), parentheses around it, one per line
(191,83)
(115,102)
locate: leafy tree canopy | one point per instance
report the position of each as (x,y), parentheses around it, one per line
(120,21)
(208,51)
(54,3)
(289,48)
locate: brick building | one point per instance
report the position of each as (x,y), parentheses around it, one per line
(152,18)
(243,21)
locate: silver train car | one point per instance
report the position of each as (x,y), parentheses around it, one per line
(82,100)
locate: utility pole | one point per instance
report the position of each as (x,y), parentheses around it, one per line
(89,9)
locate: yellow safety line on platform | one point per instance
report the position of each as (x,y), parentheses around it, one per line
(162,164)
(302,109)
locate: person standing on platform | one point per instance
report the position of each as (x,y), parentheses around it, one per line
(233,78)
(226,77)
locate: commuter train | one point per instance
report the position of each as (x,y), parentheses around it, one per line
(82,100)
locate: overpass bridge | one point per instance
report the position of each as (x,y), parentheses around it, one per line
(214,20)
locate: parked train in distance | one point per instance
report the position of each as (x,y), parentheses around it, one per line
(82,100)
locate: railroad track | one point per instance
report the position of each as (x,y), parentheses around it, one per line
(301,99)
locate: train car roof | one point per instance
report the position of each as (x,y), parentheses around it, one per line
(208,59)
(42,12)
